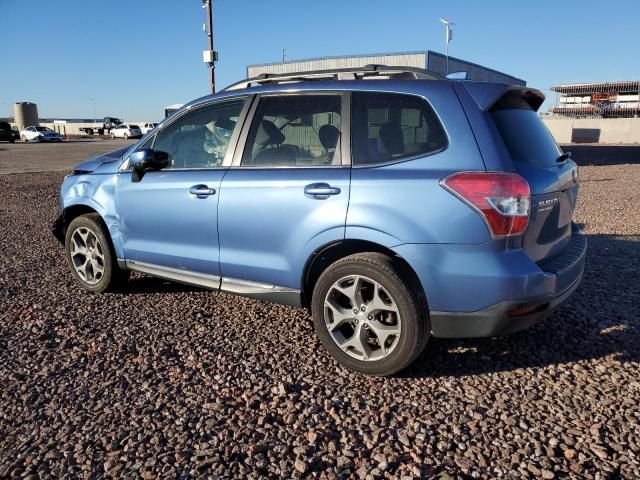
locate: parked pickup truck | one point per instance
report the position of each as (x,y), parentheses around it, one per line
(108,124)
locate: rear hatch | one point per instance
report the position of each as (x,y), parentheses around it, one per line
(552,175)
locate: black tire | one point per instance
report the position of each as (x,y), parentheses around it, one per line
(405,291)
(113,277)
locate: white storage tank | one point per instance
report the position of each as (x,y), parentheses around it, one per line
(25,114)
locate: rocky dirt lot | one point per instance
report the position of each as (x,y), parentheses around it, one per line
(165,380)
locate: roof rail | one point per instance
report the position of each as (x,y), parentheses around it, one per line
(352,73)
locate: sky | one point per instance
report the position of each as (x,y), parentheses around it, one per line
(133,57)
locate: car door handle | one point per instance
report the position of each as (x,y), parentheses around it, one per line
(321,190)
(202,191)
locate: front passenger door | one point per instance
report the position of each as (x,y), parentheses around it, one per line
(169,218)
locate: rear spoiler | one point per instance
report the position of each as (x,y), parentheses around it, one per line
(501,96)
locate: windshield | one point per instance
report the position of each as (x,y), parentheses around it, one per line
(134,126)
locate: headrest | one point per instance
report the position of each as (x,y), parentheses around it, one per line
(225,123)
(392,138)
(269,134)
(329,136)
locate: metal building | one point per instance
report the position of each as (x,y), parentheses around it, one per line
(25,114)
(433,61)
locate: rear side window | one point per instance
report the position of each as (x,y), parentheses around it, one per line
(295,131)
(527,139)
(388,127)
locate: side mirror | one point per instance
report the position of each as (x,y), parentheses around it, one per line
(146,160)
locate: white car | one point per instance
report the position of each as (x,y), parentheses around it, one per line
(126,130)
(147,127)
(40,134)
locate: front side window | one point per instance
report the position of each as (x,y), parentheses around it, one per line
(294,131)
(199,139)
(388,127)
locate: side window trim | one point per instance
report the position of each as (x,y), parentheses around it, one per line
(345,130)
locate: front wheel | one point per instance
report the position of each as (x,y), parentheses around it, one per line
(91,256)
(126,136)
(370,313)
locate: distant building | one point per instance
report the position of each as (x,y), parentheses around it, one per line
(433,61)
(598,100)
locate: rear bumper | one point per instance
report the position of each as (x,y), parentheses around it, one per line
(474,291)
(496,320)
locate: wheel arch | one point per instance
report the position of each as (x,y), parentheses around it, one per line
(74,211)
(330,253)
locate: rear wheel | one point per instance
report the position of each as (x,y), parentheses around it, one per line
(91,256)
(126,136)
(370,313)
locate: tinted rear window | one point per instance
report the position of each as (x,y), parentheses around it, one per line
(525,136)
(134,126)
(388,127)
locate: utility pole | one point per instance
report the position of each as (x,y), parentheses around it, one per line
(448,36)
(210,56)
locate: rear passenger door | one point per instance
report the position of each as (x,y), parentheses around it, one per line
(287,190)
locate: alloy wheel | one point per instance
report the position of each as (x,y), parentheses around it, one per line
(362,318)
(87,255)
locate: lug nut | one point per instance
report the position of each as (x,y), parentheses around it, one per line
(363,308)
(365,326)
(355,310)
(370,317)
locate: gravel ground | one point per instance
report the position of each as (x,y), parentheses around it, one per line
(165,380)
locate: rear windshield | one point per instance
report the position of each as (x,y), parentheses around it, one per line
(525,136)
(134,126)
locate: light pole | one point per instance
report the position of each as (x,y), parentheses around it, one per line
(93,100)
(210,56)
(448,36)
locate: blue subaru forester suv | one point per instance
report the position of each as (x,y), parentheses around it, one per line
(393,203)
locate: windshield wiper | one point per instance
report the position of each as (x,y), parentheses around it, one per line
(564,157)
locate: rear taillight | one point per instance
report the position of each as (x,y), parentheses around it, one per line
(503,199)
